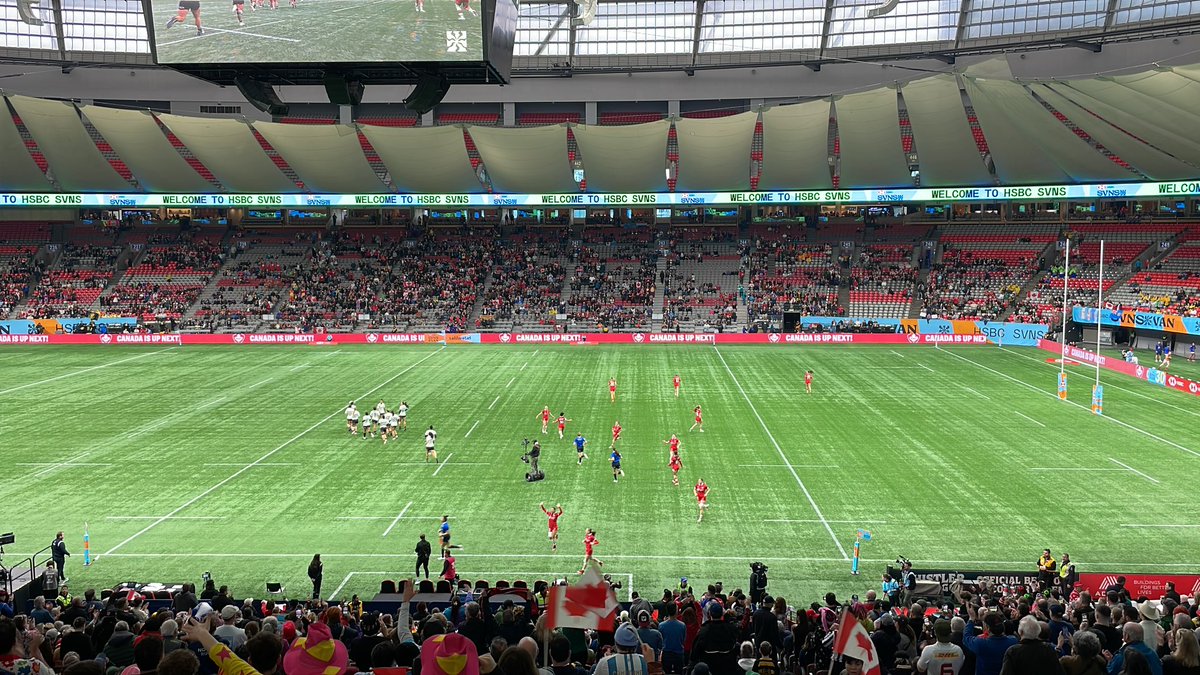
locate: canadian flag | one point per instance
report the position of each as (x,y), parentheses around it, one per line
(589,603)
(853,641)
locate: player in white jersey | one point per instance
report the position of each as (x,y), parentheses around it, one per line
(942,657)
(381,407)
(392,422)
(385,423)
(430,443)
(402,413)
(375,419)
(351,417)
(366,424)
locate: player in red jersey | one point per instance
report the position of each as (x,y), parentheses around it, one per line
(562,423)
(702,497)
(699,420)
(612,389)
(676,382)
(808,381)
(589,542)
(545,415)
(463,6)
(675,463)
(616,431)
(552,516)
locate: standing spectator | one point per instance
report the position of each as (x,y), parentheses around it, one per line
(119,648)
(942,657)
(1152,633)
(423,551)
(1046,566)
(765,623)
(629,655)
(989,651)
(1110,637)
(59,553)
(649,635)
(717,642)
(228,632)
(316,571)
(674,633)
(1030,655)
(1133,641)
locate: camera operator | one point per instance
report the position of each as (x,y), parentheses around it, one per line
(908,581)
(758,582)
(535,452)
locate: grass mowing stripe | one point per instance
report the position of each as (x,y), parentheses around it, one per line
(812,502)
(80,372)
(283,445)
(1114,420)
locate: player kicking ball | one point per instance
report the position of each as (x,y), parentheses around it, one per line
(616,464)
(589,545)
(552,516)
(808,381)
(699,423)
(701,497)
(675,463)
(430,443)
(186,6)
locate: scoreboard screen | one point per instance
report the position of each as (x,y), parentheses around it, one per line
(317,31)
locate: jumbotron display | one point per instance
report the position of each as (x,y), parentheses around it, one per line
(317,31)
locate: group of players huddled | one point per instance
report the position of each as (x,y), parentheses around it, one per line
(378,420)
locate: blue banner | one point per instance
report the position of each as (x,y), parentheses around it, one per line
(1169,323)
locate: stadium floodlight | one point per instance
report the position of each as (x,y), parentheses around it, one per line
(586,13)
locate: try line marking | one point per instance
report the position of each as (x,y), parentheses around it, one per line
(1114,420)
(1030,419)
(85,370)
(267,456)
(1149,478)
(397,518)
(812,502)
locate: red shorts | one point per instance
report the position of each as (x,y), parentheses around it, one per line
(703,502)
(676,466)
(612,388)
(699,419)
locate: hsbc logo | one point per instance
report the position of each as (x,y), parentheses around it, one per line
(773,337)
(639,338)
(913,338)
(1193,387)
(505,338)
(239,338)
(1172,381)
(372,338)
(106,338)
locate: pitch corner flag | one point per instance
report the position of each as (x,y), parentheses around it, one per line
(87,546)
(853,641)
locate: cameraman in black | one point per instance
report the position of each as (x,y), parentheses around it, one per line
(535,452)
(908,582)
(758,582)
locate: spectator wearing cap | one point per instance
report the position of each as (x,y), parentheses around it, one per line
(119,648)
(228,632)
(1152,632)
(765,624)
(1031,654)
(648,634)
(717,642)
(943,656)
(674,635)
(989,651)
(629,655)
(449,654)
(362,646)
(1133,640)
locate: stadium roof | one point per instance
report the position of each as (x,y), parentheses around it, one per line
(641,34)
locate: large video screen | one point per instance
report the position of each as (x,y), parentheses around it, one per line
(317,31)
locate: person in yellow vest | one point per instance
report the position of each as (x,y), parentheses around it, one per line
(1046,568)
(64,597)
(1067,576)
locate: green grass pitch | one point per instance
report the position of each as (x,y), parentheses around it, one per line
(236,461)
(320,31)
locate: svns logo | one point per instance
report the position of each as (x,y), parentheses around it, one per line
(456,41)
(27,9)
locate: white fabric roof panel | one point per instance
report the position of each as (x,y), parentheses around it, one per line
(136,137)
(945,145)
(18,171)
(424,160)
(1078,160)
(520,162)
(714,154)
(629,158)
(74,159)
(1147,159)
(869,136)
(230,152)
(326,157)
(1165,86)
(796,147)
(1134,114)
(1017,157)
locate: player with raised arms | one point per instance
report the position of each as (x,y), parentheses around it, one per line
(552,516)
(612,389)
(699,420)
(701,497)
(589,545)
(675,462)
(545,415)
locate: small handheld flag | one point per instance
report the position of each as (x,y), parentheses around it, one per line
(87,546)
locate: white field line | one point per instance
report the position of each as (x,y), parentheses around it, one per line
(514,379)
(302,365)
(618,556)
(80,372)
(926,367)
(443,464)
(1117,387)
(62,464)
(259,465)
(797,466)
(812,502)
(493,405)
(977,393)
(1149,478)
(66,462)
(265,457)
(246,32)
(397,519)
(171,518)
(859,522)
(1073,468)
(259,384)
(209,403)
(1054,396)
(198,37)
(1029,418)
(471,429)
(455,464)
(896,353)
(1170,526)
(524,366)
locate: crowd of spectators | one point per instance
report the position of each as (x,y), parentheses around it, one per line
(526,285)
(612,291)
(967,286)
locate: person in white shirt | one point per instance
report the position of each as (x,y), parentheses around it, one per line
(430,442)
(351,417)
(942,657)
(402,412)
(228,632)
(374,422)
(366,425)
